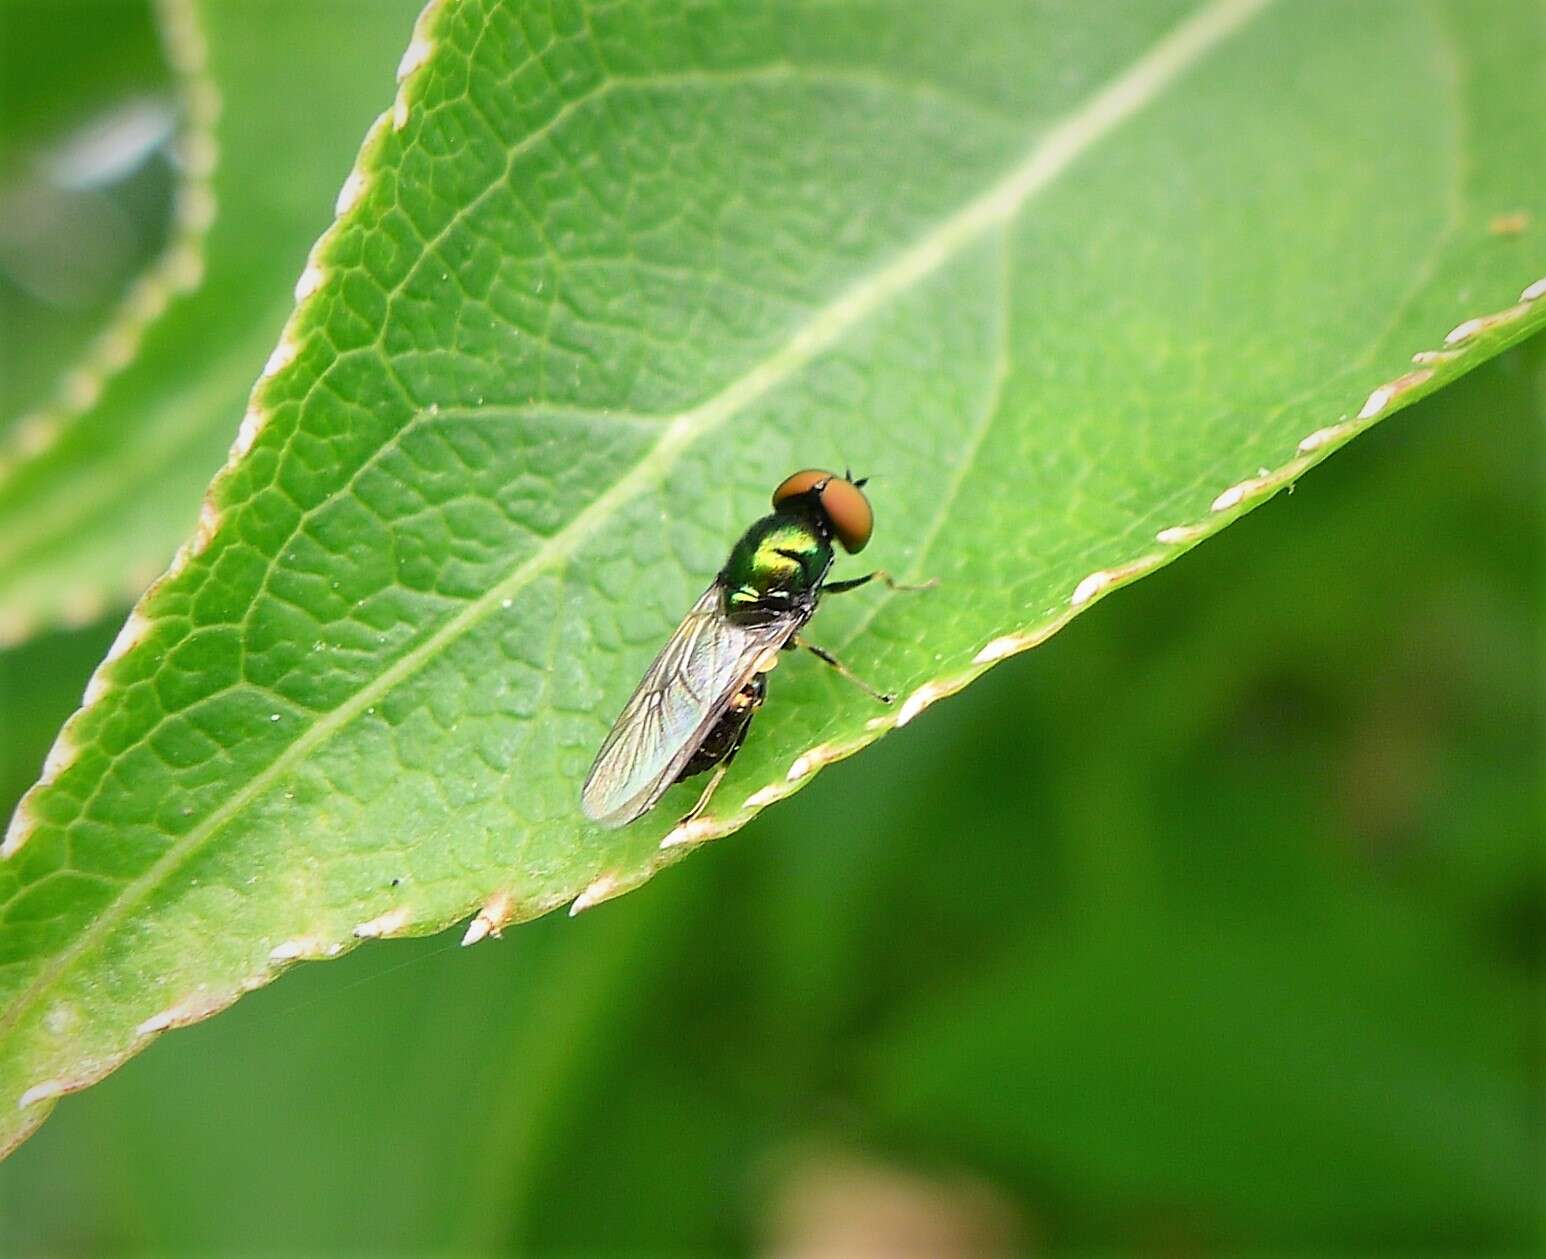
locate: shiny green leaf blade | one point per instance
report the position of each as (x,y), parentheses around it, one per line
(1078,287)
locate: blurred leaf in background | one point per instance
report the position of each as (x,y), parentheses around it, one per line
(86,178)
(1213,924)
(108,441)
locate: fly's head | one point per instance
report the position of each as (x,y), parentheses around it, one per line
(836,503)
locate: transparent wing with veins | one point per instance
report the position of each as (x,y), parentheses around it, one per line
(682,694)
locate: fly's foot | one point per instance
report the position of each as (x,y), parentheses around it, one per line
(893,584)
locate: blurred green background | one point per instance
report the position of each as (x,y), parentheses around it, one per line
(1217,923)
(86,180)
(1214,923)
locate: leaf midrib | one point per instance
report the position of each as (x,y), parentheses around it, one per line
(1123,97)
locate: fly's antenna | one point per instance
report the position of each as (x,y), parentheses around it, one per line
(847,471)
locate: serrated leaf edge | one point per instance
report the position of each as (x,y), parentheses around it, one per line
(312,280)
(181,21)
(1491,333)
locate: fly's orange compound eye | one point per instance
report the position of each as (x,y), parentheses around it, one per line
(800,483)
(850,514)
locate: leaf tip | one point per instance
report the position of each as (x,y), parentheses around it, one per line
(495,915)
(387,924)
(761,799)
(44,1092)
(1093,585)
(19,831)
(1004,646)
(821,755)
(1235,494)
(1322,437)
(157,1022)
(283,355)
(1387,393)
(415,55)
(684,836)
(247,432)
(1376,402)
(135,626)
(601,889)
(920,699)
(204,531)
(349,194)
(1473,328)
(312,279)
(60,757)
(804,765)
(293,950)
(1177,535)
(195,1008)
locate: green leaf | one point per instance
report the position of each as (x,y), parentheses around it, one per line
(1080,290)
(101,481)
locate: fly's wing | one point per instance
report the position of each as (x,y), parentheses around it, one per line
(676,704)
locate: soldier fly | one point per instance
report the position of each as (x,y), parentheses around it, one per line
(695,704)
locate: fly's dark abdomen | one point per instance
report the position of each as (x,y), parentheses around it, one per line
(729,732)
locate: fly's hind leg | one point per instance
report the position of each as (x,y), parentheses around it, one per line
(880,575)
(715,778)
(826,657)
(743,709)
(703,801)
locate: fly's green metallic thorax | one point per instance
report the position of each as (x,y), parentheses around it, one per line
(778,562)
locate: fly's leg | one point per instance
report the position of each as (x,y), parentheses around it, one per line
(881,575)
(748,701)
(703,801)
(826,657)
(839,587)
